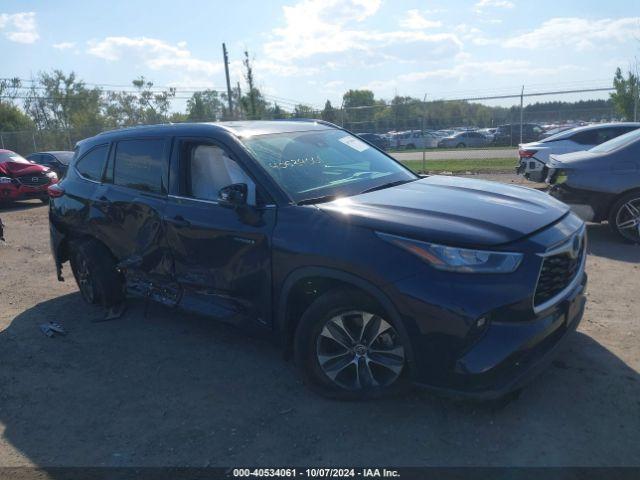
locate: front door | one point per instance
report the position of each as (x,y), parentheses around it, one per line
(222,255)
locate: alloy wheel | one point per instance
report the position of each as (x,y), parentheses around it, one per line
(358,350)
(628,220)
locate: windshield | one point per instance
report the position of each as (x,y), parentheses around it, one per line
(12,157)
(64,157)
(618,142)
(314,164)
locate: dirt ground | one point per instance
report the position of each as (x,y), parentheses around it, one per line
(167,388)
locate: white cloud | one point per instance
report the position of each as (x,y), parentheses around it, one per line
(20,27)
(466,69)
(64,45)
(155,54)
(579,33)
(482,4)
(414,20)
(315,28)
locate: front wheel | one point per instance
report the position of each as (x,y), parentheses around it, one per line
(624,218)
(347,348)
(460,145)
(95,272)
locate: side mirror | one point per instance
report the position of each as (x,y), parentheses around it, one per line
(234,195)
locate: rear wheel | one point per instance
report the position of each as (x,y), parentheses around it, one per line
(348,348)
(95,272)
(460,145)
(624,218)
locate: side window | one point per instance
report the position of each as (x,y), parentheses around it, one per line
(208,168)
(587,137)
(91,165)
(140,164)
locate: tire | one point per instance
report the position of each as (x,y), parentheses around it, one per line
(624,217)
(94,269)
(45,200)
(411,146)
(357,371)
(460,145)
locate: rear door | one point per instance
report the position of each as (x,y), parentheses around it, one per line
(222,255)
(129,206)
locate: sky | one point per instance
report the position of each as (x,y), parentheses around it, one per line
(308,51)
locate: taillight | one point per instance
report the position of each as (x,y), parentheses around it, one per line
(527,153)
(55,190)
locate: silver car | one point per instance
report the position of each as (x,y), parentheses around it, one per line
(464,139)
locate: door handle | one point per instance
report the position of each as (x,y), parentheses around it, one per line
(180,222)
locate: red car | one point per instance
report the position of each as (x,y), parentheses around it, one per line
(21,179)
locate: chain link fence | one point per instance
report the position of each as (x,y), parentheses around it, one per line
(419,131)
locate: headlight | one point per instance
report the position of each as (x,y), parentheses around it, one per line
(454,259)
(51,174)
(5,180)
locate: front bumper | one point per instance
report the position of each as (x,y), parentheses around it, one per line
(509,355)
(10,192)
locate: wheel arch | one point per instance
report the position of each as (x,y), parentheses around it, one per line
(288,313)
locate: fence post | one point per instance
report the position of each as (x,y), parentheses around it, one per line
(2,141)
(521,111)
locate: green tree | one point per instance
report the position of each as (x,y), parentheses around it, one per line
(253,103)
(12,119)
(144,106)
(625,98)
(60,101)
(206,105)
(303,111)
(329,113)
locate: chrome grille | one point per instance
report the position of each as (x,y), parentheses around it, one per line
(559,269)
(34,180)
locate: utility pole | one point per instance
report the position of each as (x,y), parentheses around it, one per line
(424,147)
(226,72)
(521,111)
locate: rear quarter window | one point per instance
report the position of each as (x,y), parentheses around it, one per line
(91,164)
(140,164)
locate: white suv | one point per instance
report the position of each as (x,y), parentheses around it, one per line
(534,156)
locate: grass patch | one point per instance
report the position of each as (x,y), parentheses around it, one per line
(480,165)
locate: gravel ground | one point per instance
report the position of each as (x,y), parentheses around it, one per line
(168,388)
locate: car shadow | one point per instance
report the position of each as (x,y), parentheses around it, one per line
(602,242)
(158,387)
(20,205)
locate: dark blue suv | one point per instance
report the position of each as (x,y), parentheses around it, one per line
(366,273)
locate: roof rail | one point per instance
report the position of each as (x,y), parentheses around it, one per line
(316,120)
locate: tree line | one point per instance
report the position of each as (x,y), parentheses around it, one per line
(66,108)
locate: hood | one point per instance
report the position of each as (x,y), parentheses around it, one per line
(17,169)
(451,210)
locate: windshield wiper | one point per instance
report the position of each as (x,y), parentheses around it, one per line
(387,185)
(323,199)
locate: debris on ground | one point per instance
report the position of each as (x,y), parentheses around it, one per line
(52,329)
